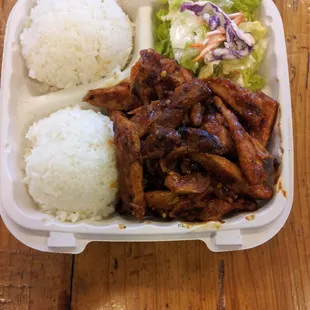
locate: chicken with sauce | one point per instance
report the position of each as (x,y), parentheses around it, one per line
(186,148)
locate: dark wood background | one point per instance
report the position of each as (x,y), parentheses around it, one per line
(181,275)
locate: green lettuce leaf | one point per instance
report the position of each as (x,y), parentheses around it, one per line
(162,40)
(253,81)
(244,71)
(258,31)
(201,32)
(175,4)
(187,59)
(247,7)
(210,69)
(226,5)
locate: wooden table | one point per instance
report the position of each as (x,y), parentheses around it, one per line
(181,275)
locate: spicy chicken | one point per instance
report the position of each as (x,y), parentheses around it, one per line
(117,97)
(251,153)
(186,148)
(129,162)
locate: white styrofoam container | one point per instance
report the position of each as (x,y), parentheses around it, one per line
(22,104)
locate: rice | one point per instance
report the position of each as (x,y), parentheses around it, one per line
(72,42)
(71,165)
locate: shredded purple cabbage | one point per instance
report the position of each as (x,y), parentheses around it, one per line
(214,22)
(196,8)
(238,44)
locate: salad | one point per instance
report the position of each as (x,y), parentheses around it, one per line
(219,38)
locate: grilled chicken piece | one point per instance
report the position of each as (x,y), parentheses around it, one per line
(195,183)
(196,115)
(199,140)
(172,75)
(160,142)
(145,75)
(117,97)
(129,162)
(188,166)
(216,209)
(154,177)
(169,162)
(190,93)
(169,118)
(251,153)
(264,130)
(170,113)
(183,209)
(208,209)
(188,209)
(154,77)
(247,104)
(145,116)
(195,140)
(150,117)
(221,191)
(199,207)
(215,124)
(161,200)
(229,174)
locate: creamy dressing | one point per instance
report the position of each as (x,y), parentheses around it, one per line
(178,53)
(183,28)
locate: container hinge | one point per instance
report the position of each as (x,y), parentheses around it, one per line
(61,240)
(228,237)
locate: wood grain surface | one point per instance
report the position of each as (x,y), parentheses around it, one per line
(30,279)
(181,275)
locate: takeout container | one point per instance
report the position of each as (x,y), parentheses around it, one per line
(22,104)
